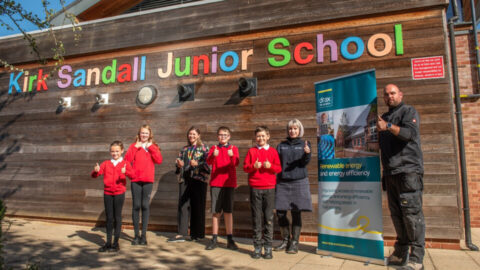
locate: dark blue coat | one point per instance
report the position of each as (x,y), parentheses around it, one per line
(293,159)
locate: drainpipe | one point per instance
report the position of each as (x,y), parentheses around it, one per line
(475,38)
(458,114)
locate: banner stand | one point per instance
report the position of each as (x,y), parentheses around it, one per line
(352,257)
(349,187)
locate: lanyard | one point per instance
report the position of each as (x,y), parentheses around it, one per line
(190,152)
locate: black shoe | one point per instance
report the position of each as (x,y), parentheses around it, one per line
(257,252)
(176,239)
(293,248)
(143,240)
(412,266)
(268,253)
(114,248)
(195,238)
(212,245)
(397,260)
(105,248)
(285,231)
(136,241)
(283,246)
(231,245)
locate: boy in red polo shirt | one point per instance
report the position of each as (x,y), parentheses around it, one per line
(223,158)
(262,164)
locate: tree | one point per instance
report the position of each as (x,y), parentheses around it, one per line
(18,14)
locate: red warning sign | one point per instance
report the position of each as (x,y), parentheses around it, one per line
(428,68)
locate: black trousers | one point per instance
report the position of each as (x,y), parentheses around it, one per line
(113,213)
(191,207)
(141,192)
(405,202)
(262,203)
(283,218)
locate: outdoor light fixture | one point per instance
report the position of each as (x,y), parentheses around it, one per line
(146,95)
(65,102)
(101,99)
(247,87)
(186,92)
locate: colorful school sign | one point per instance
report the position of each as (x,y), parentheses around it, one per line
(281,52)
(349,196)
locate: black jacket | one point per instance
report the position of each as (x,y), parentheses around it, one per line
(293,159)
(402,153)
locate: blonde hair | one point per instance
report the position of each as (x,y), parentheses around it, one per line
(262,128)
(150,137)
(295,122)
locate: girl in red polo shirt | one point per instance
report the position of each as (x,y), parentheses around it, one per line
(114,182)
(143,155)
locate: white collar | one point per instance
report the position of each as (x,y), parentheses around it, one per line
(115,162)
(266,146)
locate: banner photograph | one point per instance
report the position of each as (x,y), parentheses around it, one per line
(350,198)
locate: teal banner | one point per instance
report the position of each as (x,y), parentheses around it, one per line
(350,197)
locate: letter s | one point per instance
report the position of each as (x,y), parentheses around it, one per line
(64,77)
(281,52)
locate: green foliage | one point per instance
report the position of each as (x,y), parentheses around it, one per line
(18,13)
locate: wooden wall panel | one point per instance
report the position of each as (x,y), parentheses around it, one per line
(215,19)
(46,157)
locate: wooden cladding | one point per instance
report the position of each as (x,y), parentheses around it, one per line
(46,156)
(198,22)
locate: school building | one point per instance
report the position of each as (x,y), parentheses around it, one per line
(174,64)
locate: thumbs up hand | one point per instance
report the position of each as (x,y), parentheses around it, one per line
(267,164)
(179,163)
(230,152)
(193,163)
(124,169)
(306,148)
(381,124)
(138,143)
(216,152)
(257,164)
(96,168)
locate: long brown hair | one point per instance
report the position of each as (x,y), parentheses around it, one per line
(145,126)
(199,141)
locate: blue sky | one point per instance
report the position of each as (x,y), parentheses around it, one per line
(36,7)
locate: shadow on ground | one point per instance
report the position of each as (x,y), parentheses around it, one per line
(53,248)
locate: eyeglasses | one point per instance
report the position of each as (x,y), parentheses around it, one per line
(223,135)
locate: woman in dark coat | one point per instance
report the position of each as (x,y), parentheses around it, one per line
(293,186)
(193,171)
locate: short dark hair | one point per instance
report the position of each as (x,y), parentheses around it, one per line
(117,143)
(224,128)
(262,128)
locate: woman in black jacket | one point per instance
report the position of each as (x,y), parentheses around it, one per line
(293,186)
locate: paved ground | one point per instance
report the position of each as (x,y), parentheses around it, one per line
(58,246)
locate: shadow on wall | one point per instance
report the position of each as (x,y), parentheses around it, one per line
(9,144)
(168,178)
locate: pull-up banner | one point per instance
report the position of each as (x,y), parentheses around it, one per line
(349,195)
